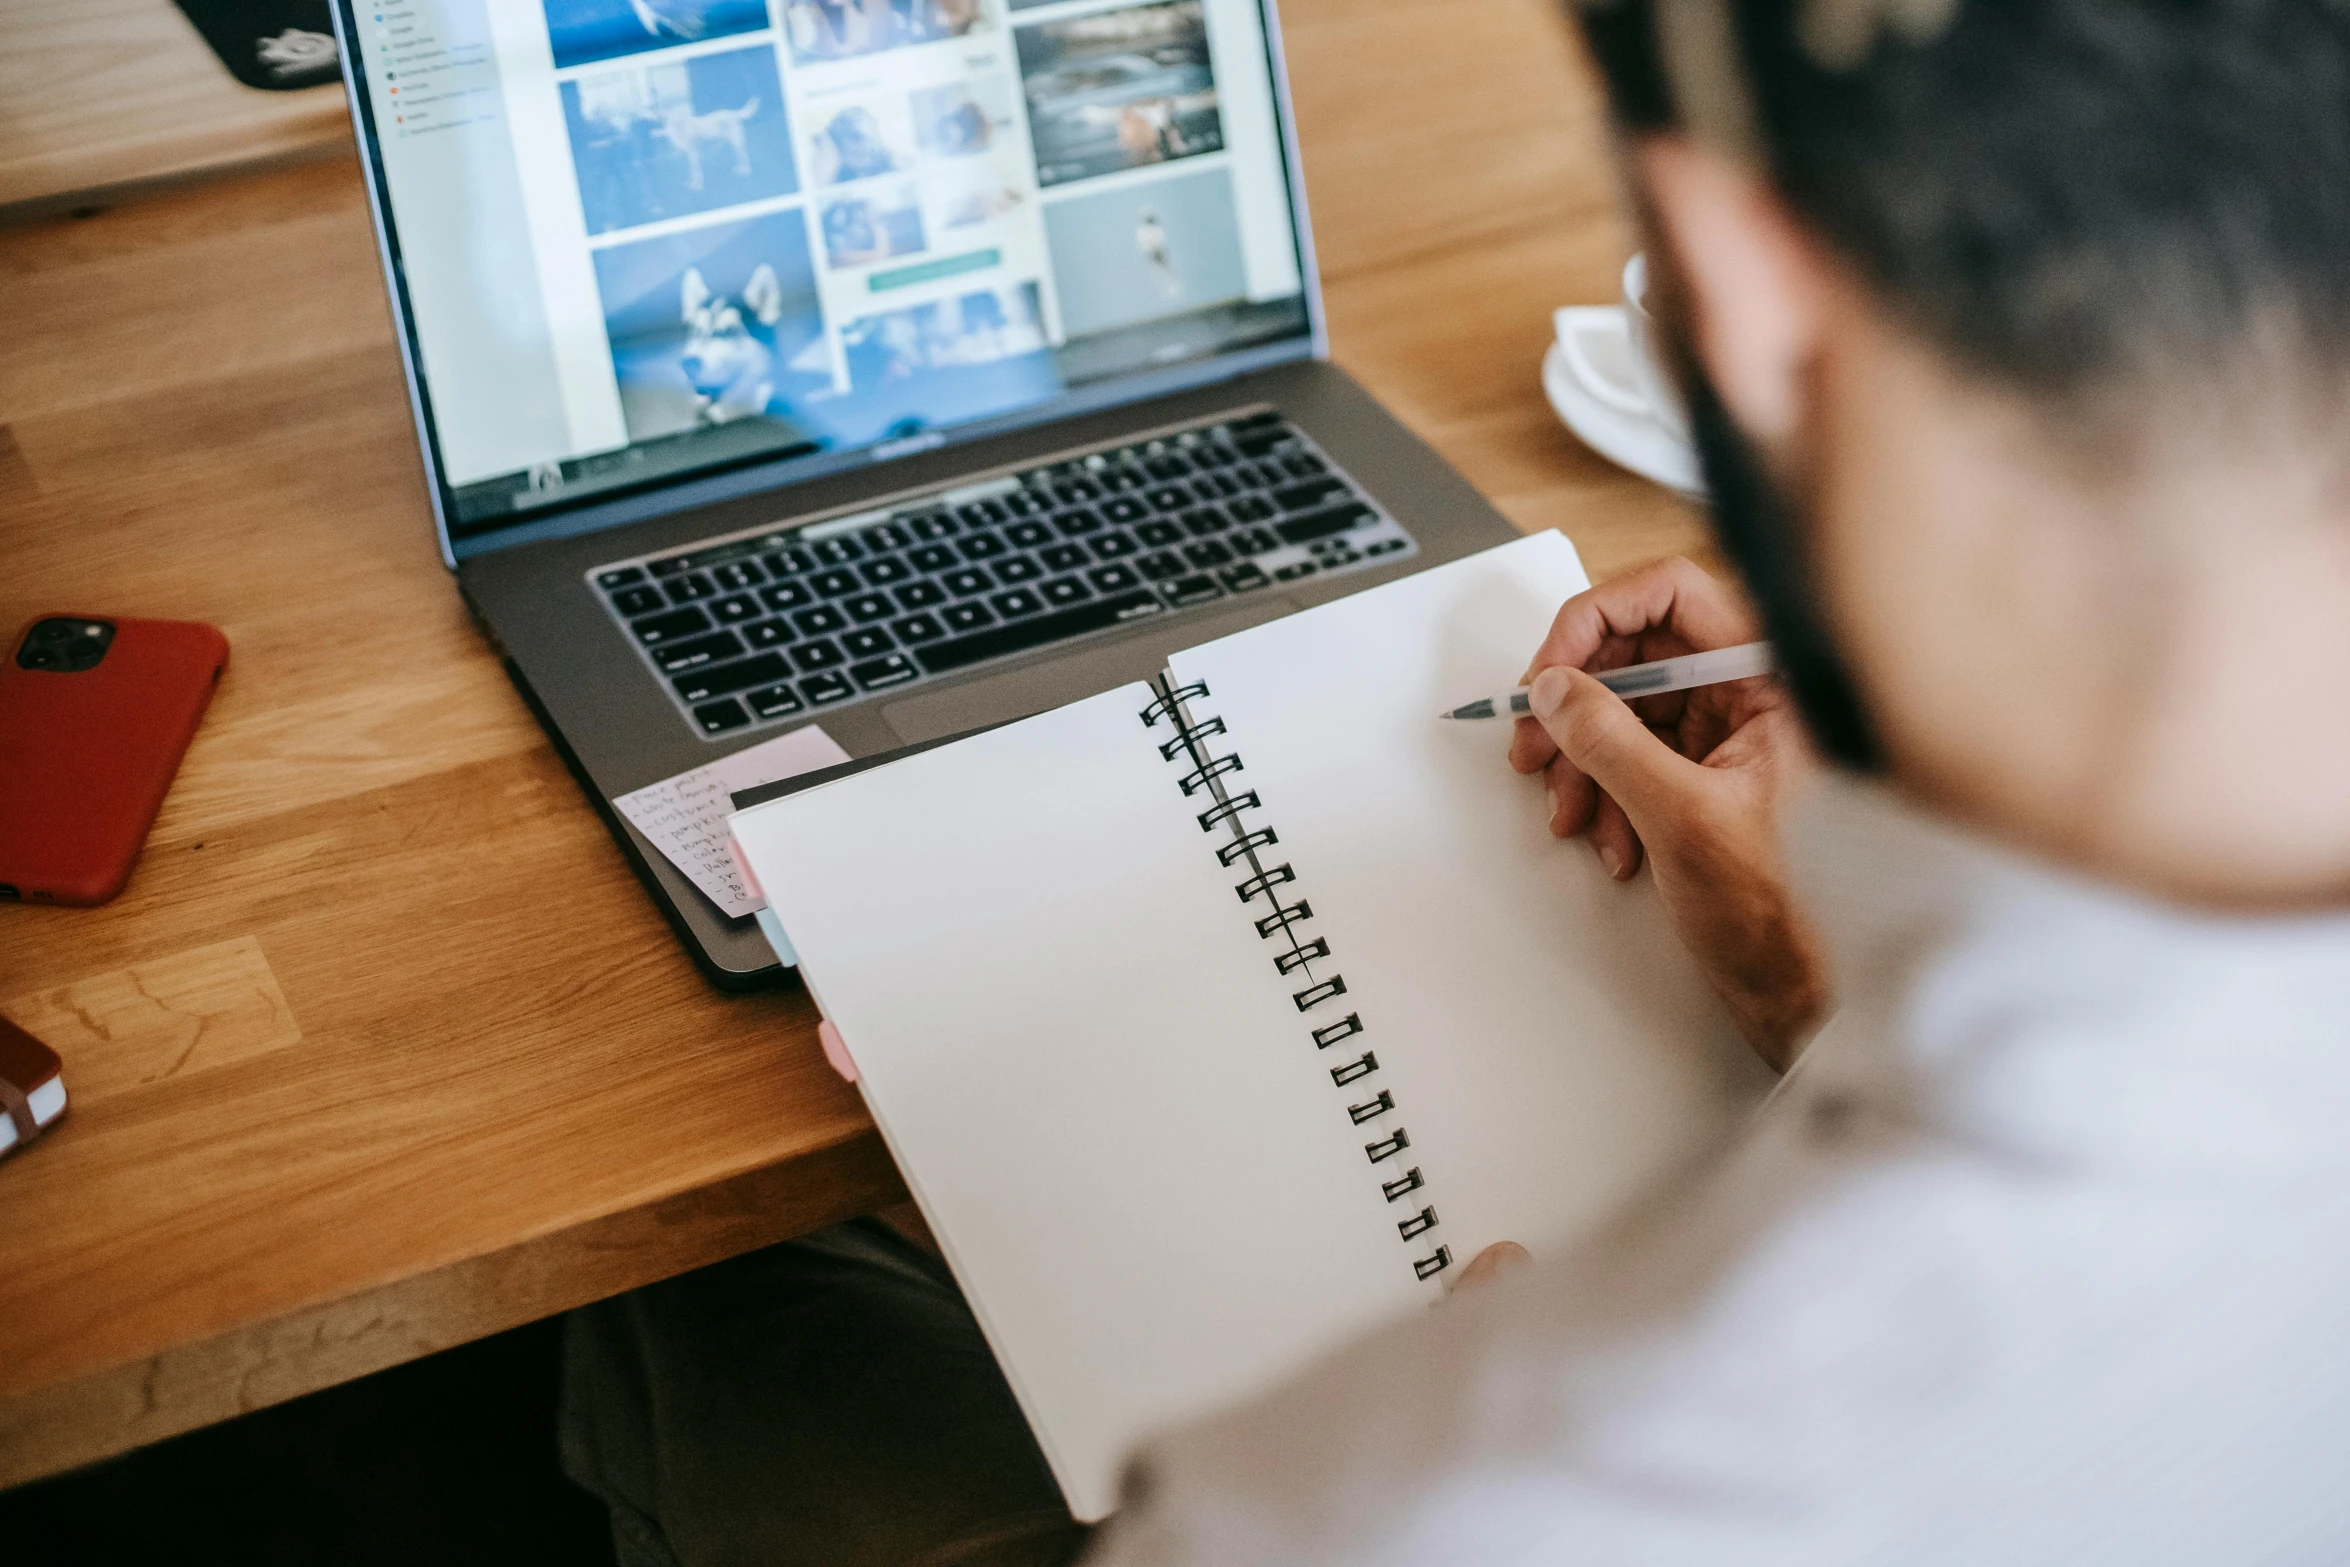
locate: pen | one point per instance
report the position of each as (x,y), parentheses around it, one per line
(1666,674)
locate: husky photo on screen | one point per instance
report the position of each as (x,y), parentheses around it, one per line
(715,325)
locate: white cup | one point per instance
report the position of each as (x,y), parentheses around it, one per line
(1656,387)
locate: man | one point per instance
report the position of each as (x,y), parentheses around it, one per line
(2017,340)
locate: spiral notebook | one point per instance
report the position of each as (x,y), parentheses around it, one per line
(1217,1020)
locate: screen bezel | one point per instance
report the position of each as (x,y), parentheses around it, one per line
(613,508)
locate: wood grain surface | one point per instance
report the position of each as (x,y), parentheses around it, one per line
(383,1049)
(104,94)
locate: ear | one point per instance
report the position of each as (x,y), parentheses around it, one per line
(1749,282)
(696,293)
(764,295)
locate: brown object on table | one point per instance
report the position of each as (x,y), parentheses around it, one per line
(98,95)
(384,1050)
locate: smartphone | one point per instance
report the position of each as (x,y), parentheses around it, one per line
(95,714)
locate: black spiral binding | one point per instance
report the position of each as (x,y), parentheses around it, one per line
(1297,955)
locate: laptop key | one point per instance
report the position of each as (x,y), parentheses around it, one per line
(838,551)
(689,587)
(678,657)
(775,701)
(920,595)
(1017,568)
(1322,524)
(1207,553)
(1065,590)
(1251,508)
(870,606)
(980,543)
(737,575)
(1065,557)
(715,718)
(734,609)
(1036,631)
(967,581)
(831,686)
(1305,497)
(968,617)
(822,653)
(874,674)
(1124,508)
(767,633)
(1158,535)
(980,513)
(884,571)
(1028,535)
(933,557)
(918,628)
(1184,592)
(787,595)
(832,584)
(1243,578)
(1017,602)
(726,679)
(1166,563)
(867,641)
(1113,579)
(668,628)
(619,577)
(815,622)
(1256,541)
(1081,520)
(638,601)
(887,536)
(1112,545)
(1206,520)
(1170,498)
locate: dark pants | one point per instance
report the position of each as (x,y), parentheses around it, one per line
(824,1403)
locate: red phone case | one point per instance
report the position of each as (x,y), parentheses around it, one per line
(86,757)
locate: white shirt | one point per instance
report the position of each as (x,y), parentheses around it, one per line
(2042,1255)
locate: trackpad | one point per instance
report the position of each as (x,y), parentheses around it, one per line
(1083,671)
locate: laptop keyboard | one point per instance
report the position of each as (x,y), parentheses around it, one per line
(756,629)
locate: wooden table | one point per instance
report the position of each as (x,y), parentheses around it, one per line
(384,1049)
(106,95)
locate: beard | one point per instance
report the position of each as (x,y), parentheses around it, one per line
(1765,539)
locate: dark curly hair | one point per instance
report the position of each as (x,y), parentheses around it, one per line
(2069,196)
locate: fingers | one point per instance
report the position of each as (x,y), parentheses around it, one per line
(1673,596)
(1573,796)
(1490,1264)
(1662,609)
(1597,735)
(1613,839)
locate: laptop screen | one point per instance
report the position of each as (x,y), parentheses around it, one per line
(645,239)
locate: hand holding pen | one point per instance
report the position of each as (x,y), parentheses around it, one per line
(1686,775)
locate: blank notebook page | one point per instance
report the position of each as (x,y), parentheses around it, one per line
(1088,1070)
(1550,1046)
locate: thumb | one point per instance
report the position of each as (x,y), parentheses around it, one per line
(1607,741)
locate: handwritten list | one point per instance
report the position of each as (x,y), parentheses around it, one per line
(685,816)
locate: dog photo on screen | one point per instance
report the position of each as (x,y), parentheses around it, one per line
(881,222)
(675,137)
(584,31)
(715,325)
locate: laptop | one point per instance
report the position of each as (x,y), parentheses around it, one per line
(899,367)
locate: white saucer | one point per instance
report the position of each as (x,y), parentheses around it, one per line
(1613,419)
